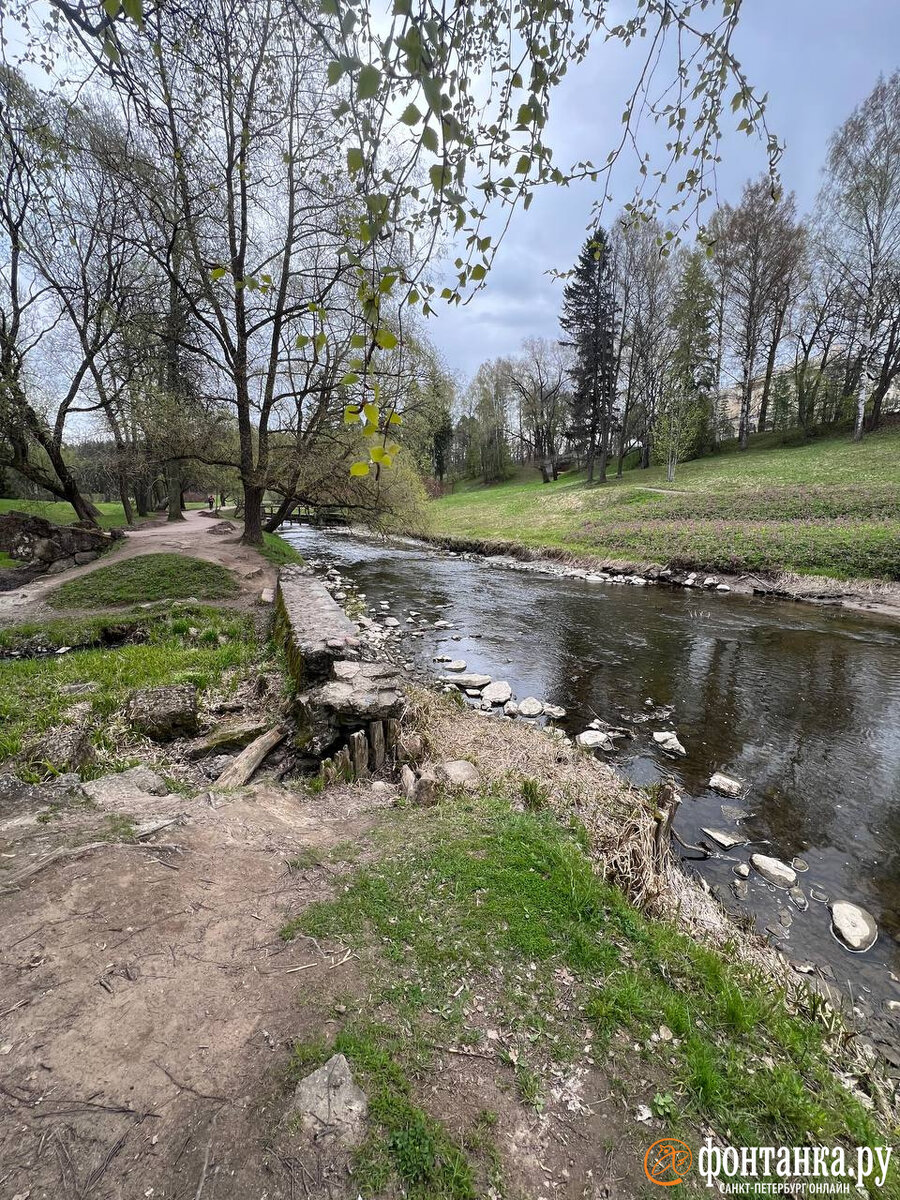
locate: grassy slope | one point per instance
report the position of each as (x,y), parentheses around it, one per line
(484,915)
(149,577)
(825,507)
(112,514)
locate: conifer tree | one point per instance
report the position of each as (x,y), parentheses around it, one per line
(589,320)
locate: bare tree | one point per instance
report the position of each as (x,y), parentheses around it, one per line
(538,378)
(860,202)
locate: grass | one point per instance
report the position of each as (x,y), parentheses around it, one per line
(278,551)
(6,561)
(478,898)
(112,515)
(196,644)
(826,506)
(146,578)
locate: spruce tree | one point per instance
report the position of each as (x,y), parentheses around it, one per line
(589,319)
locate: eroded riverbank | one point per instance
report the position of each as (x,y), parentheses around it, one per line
(797,702)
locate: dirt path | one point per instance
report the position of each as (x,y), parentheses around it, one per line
(148,1004)
(193,537)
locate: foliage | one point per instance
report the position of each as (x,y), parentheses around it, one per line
(147,577)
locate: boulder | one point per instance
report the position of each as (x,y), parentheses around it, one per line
(773,870)
(67,747)
(467,681)
(530,707)
(455,664)
(723,839)
(669,743)
(426,789)
(855,927)
(594,739)
(555,711)
(228,738)
(164,713)
(726,786)
(408,782)
(35,540)
(497,693)
(114,792)
(510,708)
(329,1104)
(460,773)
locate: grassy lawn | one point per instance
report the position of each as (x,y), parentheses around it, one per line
(148,577)
(823,507)
(189,644)
(112,514)
(479,917)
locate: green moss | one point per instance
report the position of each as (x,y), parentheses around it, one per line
(278,551)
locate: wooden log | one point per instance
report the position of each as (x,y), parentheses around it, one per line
(391,736)
(359,753)
(239,772)
(376,745)
(343,768)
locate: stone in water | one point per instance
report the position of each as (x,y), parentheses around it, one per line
(726,785)
(773,870)
(853,925)
(530,707)
(668,742)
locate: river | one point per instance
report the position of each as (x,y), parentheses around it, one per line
(801,703)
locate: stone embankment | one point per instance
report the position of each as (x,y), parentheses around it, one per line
(45,548)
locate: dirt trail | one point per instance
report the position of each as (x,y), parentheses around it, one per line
(193,537)
(149,1004)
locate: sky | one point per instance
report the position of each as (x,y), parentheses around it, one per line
(817,59)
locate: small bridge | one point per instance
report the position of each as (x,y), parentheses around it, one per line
(309,514)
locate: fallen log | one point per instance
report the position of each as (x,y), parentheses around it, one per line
(239,772)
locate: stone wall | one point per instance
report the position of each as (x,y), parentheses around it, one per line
(347,709)
(48,548)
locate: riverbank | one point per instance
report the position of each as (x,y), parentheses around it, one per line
(526,989)
(820,519)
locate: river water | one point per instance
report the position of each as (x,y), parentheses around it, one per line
(799,702)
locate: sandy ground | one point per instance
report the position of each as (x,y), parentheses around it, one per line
(193,536)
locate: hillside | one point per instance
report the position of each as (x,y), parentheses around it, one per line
(825,507)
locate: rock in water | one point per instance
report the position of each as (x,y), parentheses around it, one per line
(853,925)
(723,839)
(330,1105)
(497,693)
(773,870)
(555,711)
(456,664)
(594,739)
(467,681)
(726,785)
(668,741)
(530,707)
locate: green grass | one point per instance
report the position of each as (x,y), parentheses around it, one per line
(278,551)
(6,561)
(146,578)
(478,891)
(188,645)
(826,506)
(112,515)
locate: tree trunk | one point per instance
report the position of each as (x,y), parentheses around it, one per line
(770,368)
(284,510)
(141,498)
(126,500)
(746,393)
(253,530)
(173,489)
(862,388)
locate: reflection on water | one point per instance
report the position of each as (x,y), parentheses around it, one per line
(801,703)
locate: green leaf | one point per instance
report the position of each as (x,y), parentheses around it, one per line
(370,411)
(359,468)
(110,50)
(335,70)
(436,175)
(430,139)
(368,82)
(354,159)
(112,8)
(351,414)
(302,340)
(523,165)
(524,117)
(134,9)
(411,115)
(350,378)
(479,271)
(358,340)
(395,419)
(377,454)
(385,339)
(217,272)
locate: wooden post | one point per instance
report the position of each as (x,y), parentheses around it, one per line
(376,745)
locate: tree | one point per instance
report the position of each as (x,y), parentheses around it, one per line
(538,377)
(760,241)
(861,200)
(684,404)
(589,319)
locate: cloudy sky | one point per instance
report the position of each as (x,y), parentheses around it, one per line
(817,59)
